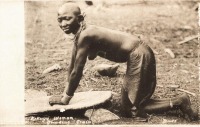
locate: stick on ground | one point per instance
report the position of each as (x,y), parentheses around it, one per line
(187,39)
(193,94)
(169,51)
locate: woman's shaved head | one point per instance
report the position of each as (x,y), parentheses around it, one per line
(69,17)
(69,8)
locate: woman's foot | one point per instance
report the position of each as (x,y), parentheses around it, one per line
(187,109)
(140,116)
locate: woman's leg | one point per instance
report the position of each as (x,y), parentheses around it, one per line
(140,80)
(181,102)
(126,104)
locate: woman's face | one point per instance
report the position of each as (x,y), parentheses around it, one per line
(68,23)
(68,20)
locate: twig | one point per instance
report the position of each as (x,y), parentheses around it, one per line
(103,85)
(160,86)
(85,82)
(55,67)
(173,86)
(93,79)
(188,39)
(169,51)
(182,90)
(84,71)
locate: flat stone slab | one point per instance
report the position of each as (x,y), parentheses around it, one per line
(38,101)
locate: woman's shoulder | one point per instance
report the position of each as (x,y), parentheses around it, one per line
(98,31)
(89,31)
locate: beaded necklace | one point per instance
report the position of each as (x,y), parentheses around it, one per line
(82,27)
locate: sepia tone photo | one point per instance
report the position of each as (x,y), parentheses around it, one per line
(117,62)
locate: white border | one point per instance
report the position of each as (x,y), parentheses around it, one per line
(12,62)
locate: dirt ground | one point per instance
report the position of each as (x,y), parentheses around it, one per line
(158,23)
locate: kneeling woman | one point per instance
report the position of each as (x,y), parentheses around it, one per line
(140,80)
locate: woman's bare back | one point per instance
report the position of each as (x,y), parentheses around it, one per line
(109,44)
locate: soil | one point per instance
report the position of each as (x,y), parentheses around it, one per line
(158,23)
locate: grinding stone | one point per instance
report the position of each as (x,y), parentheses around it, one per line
(80,100)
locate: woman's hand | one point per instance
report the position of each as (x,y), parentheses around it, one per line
(65,99)
(59,99)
